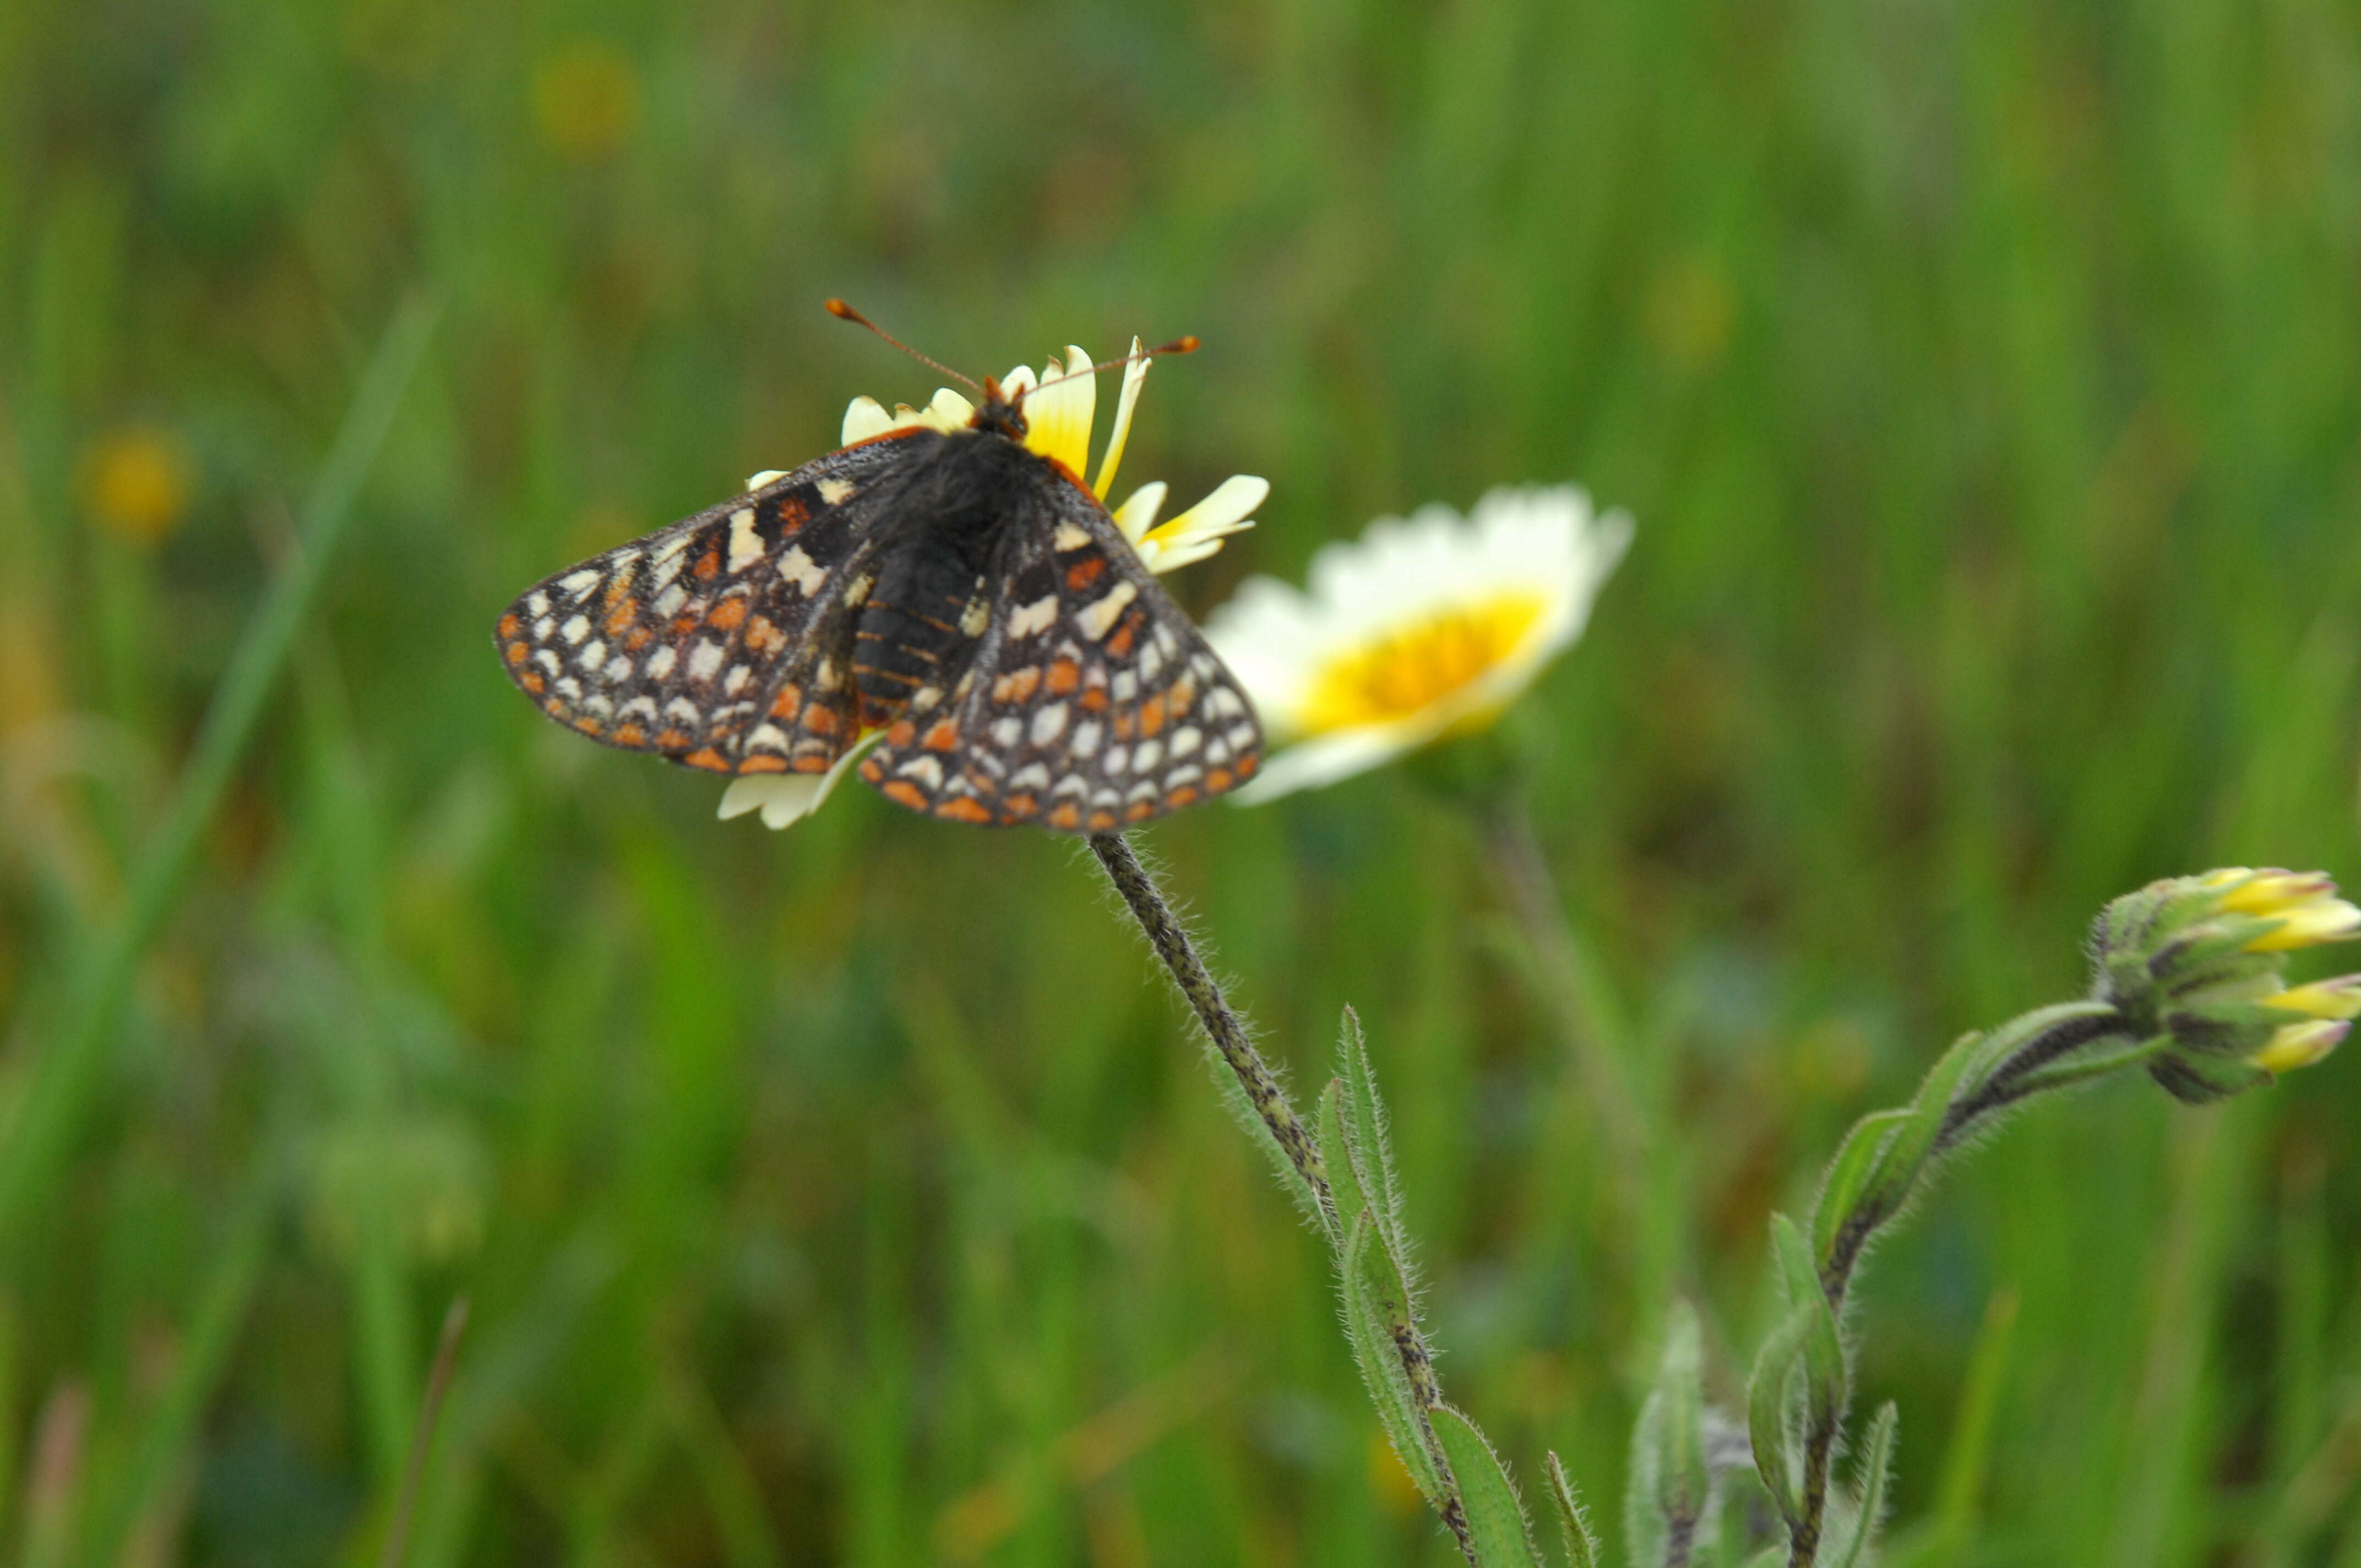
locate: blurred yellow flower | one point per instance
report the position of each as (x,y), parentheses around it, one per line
(1420,630)
(1061,410)
(585,100)
(138,480)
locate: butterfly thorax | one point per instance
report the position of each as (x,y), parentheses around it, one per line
(932,593)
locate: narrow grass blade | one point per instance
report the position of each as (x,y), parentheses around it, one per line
(212,1329)
(1496,1519)
(1958,1493)
(69,1072)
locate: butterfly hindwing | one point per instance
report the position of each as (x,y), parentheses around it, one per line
(1090,701)
(721,641)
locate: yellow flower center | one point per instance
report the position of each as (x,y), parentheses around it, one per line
(1411,668)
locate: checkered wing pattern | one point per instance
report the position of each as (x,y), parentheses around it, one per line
(724,641)
(1090,702)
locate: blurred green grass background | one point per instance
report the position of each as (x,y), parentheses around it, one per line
(1983,379)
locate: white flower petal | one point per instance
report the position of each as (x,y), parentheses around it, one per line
(950,411)
(782,799)
(1134,373)
(863,418)
(764,477)
(1018,382)
(1517,575)
(1229,509)
(1137,513)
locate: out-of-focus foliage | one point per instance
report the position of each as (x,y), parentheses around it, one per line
(1983,379)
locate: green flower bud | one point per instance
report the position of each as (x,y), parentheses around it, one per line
(2199,964)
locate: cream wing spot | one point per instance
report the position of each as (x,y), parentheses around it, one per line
(1097,619)
(1070,537)
(745,544)
(1034,618)
(800,569)
(660,662)
(704,659)
(1048,723)
(836,492)
(576,629)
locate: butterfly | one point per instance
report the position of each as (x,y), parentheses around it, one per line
(960,604)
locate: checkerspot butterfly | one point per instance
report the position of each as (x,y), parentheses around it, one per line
(965,600)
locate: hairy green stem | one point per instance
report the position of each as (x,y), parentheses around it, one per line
(1179,956)
(2030,1068)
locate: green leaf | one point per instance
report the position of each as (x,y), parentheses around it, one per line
(1573,1522)
(1899,1158)
(1669,1484)
(1328,1128)
(1768,1427)
(1372,1153)
(1496,1519)
(1824,1363)
(1848,1175)
(1870,1479)
(1373,1304)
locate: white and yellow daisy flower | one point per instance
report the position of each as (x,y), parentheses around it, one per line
(1060,407)
(1418,629)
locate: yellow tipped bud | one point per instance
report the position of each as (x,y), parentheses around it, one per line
(2304,923)
(2268,893)
(2338,998)
(2301,1044)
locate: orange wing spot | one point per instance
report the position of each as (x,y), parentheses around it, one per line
(902,792)
(964,808)
(1137,809)
(761,636)
(1219,780)
(670,740)
(819,720)
(790,699)
(727,613)
(1094,699)
(1122,723)
(792,512)
(531,680)
(1020,805)
(628,733)
(1248,764)
(1119,641)
(1066,817)
(625,612)
(1151,715)
(516,653)
(1016,684)
(1182,796)
(587,725)
(1085,572)
(811,763)
(639,638)
(901,732)
(1181,696)
(942,736)
(1063,676)
(708,565)
(511,625)
(763,763)
(706,757)
(555,708)
(618,586)
(872,769)
(1101,821)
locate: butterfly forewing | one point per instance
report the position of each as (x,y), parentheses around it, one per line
(722,641)
(1090,702)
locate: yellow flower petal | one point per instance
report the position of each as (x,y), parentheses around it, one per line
(1057,414)
(1134,372)
(2301,1044)
(2338,998)
(2308,924)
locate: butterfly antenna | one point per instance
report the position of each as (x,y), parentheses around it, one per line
(843,312)
(1178,346)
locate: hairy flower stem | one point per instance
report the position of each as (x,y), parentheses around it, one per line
(1203,994)
(1205,997)
(2016,1079)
